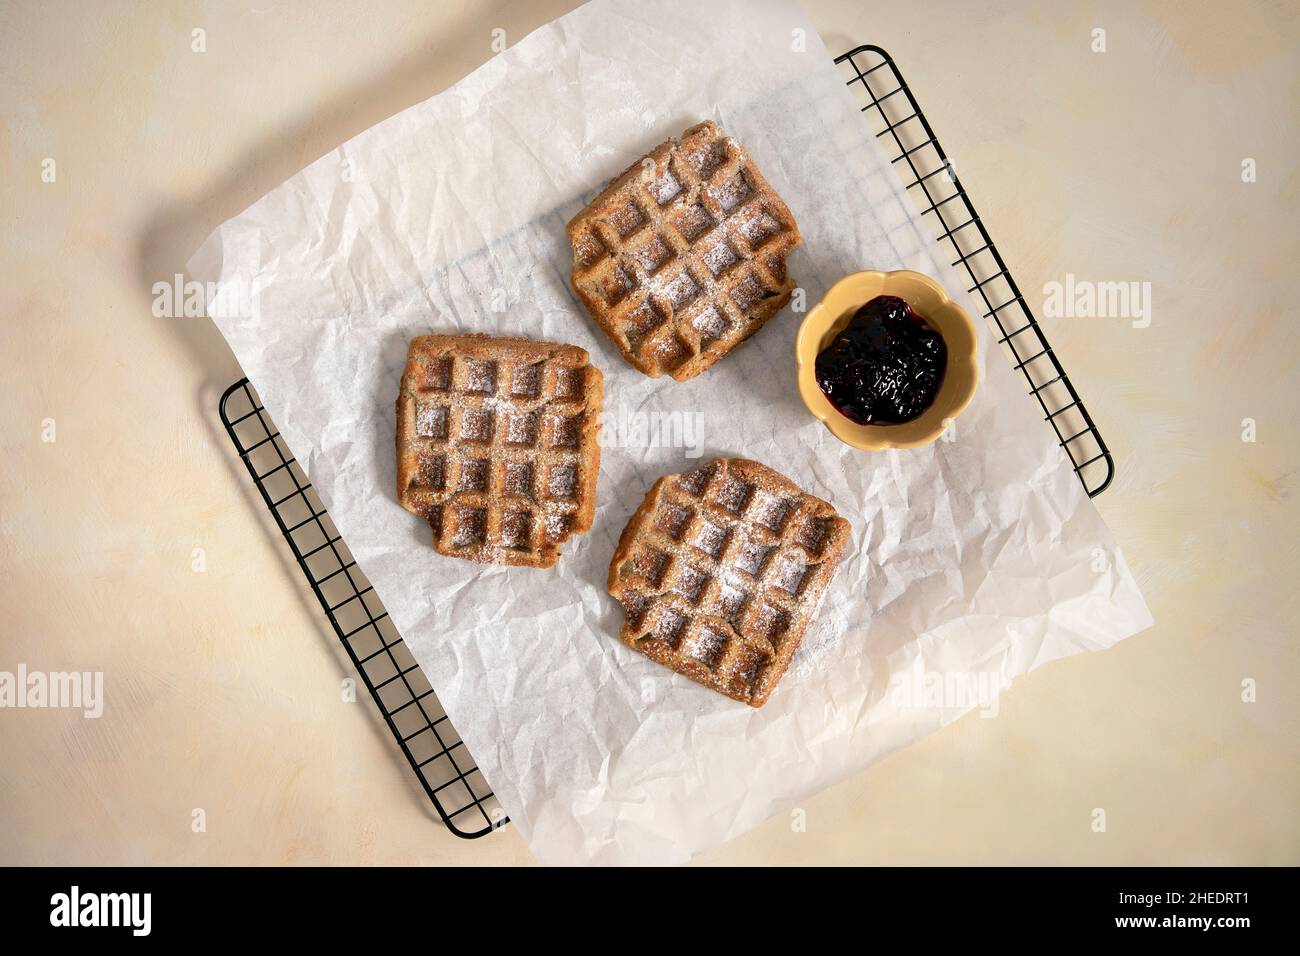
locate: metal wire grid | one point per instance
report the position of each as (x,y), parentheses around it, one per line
(400,690)
(894,113)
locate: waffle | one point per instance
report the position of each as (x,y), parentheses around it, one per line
(682,257)
(496,445)
(720,572)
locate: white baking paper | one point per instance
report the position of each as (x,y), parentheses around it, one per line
(971,562)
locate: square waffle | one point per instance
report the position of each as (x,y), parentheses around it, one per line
(496,445)
(720,572)
(682,257)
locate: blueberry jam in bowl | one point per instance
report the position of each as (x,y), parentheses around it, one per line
(886,360)
(885,367)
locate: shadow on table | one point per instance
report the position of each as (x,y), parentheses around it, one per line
(175,230)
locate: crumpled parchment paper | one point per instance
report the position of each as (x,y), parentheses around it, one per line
(971,562)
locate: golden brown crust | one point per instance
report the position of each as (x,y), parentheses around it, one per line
(497,445)
(683,255)
(721,570)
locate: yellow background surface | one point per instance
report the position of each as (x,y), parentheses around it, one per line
(223,686)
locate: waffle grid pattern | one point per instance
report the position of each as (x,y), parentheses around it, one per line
(497,445)
(720,572)
(683,256)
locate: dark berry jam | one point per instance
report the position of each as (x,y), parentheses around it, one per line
(886,367)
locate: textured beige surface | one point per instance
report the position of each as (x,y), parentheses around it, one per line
(223,685)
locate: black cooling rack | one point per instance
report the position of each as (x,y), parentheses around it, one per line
(932,180)
(400,690)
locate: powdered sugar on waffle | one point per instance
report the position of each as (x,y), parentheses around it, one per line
(497,445)
(721,552)
(681,226)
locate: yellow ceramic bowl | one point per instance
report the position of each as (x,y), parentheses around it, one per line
(829,317)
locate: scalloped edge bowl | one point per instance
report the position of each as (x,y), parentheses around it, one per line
(829,317)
